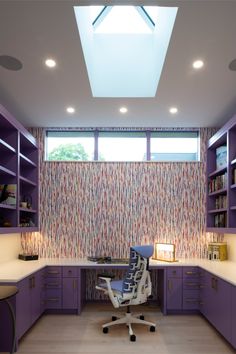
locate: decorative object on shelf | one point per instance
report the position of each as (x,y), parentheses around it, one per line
(23,204)
(28,201)
(26,222)
(8,194)
(28,257)
(217,251)
(221,156)
(164,252)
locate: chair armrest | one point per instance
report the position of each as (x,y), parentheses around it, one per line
(106,275)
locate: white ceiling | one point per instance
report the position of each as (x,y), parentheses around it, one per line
(34,30)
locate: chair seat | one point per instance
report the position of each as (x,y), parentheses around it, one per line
(116,285)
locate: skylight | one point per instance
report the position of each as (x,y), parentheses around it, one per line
(124,47)
(121,19)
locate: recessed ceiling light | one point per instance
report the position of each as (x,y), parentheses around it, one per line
(50,63)
(123,110)
(198,64)
(173,110)
(70,110)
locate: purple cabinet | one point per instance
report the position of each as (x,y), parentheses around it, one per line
(191,286)
(70,288)
(28,302)
(70,293)
(233,313)
(18,175)
(174,288)
(216,307)
(53,287)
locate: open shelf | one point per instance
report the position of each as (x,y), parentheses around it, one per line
(27,161)
(18,175)
(5,146)
(221,186)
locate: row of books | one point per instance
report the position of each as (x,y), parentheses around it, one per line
(220,220)
(217,183)
(221,202)
(234,176)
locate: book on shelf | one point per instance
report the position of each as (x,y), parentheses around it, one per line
(217,183)
(220,220)
(8,193)
(221,157)
(221,202)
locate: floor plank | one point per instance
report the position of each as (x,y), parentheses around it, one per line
(71,334)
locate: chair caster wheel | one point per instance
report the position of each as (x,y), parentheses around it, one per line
(141,317)
(114,318)
(105,330)
(132,338)
(152,329)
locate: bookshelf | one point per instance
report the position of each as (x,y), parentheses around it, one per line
(221,180)
(18,176)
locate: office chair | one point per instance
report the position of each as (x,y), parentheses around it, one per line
(134,289)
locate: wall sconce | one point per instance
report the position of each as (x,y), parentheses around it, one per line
(164,252)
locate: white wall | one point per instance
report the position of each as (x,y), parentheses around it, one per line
(231,246)
(10,246)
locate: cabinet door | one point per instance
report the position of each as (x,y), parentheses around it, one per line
(23,304)
(70,293)
(36,288)
(216,297)
(233,312)
(174,294)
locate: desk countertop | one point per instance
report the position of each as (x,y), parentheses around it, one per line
(16,270)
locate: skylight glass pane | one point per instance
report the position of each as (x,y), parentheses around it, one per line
(95,12)
(152,11)
(124,51)
(123,19)
(125,146)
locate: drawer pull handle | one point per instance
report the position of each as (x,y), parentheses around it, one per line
(53,272)
(52,284)
(169,285)
(192,301)
(191,273)
(53,299)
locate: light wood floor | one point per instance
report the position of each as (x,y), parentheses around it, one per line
(66,334)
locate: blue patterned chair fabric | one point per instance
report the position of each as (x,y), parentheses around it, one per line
(136,267)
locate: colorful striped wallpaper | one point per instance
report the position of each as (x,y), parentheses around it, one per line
(99,208)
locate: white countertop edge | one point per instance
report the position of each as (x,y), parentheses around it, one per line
(16,270)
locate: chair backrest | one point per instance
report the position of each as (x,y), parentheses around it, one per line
(138,269)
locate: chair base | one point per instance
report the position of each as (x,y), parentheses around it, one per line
(129,319)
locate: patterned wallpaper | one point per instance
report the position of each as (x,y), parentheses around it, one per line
(99,208)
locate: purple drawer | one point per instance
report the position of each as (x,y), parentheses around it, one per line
(53,272)
(190,300)
(191,284)
(174,272)
(52,283)
(53,299)
(69,272)
(191,272)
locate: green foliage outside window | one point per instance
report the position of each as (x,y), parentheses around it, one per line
(68,152)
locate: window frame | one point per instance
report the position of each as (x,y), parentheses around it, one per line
(148,135)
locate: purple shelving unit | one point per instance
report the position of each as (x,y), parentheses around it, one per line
(18,175)
(221,181)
